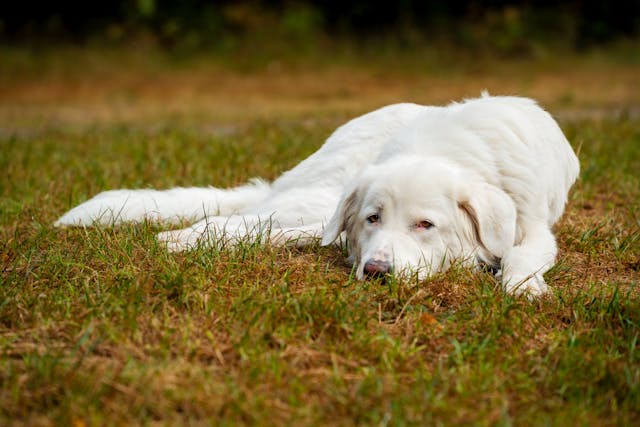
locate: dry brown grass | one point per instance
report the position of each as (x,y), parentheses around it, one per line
(136,91)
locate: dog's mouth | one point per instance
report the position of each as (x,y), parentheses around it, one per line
(384,271)
(490,266)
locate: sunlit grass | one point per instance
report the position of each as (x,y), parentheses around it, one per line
(103,326)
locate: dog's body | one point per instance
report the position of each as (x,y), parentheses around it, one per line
(413,187)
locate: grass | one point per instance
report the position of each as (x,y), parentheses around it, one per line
(102,326)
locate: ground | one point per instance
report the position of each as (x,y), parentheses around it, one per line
(103,326)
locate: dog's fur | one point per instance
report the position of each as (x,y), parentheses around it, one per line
(414,188)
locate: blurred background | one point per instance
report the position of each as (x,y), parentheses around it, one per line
(499,26)
(71,62)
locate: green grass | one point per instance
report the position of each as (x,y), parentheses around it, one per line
(103,327)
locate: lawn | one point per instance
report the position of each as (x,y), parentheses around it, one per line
(104,327)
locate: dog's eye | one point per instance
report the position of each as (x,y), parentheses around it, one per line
(372,219)
(424,224)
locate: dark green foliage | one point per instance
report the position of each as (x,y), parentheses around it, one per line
(506,27)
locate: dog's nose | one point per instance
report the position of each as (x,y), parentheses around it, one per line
(376,268)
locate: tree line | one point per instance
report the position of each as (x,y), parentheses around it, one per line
(509,24)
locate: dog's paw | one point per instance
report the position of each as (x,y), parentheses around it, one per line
(522,270)
(531,286)
(179,240)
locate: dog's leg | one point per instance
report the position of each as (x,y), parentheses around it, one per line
(297,236)
(229,231)
(167,206)
(524,264)
(216,231)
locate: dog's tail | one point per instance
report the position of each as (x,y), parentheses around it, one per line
(167,206)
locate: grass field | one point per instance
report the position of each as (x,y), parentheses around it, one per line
(103,327)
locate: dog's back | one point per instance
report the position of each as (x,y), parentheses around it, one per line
(536,161)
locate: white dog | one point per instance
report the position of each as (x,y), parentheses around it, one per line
(414,188)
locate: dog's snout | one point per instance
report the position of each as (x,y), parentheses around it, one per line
(376,268)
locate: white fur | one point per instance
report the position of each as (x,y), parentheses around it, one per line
(491,174)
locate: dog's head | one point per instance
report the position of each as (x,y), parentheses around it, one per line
(410,217)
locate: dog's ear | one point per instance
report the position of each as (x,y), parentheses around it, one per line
(493,215)
(342,216)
